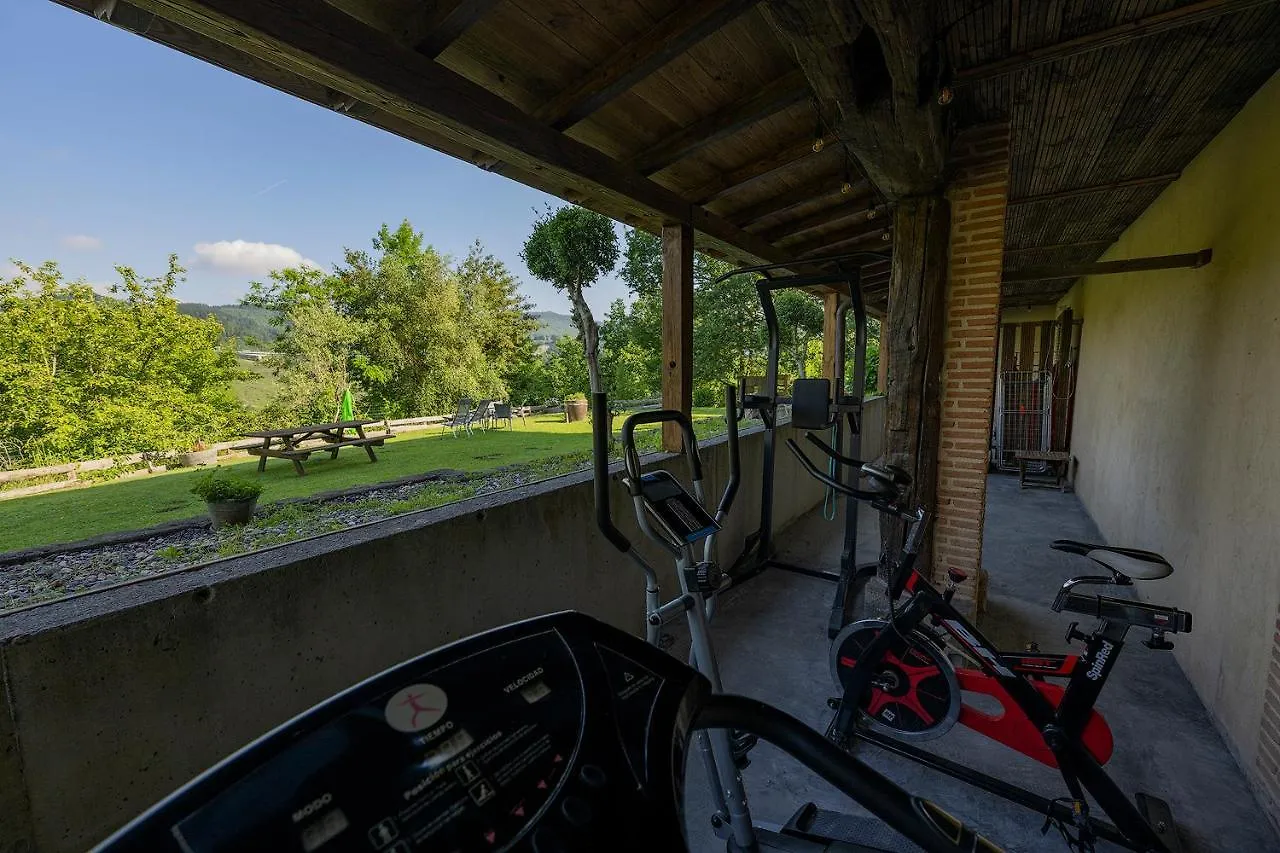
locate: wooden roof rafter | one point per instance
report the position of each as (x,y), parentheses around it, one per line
(327,46)
(783,158)
(670,37)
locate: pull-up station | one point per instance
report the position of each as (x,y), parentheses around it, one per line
(832,402)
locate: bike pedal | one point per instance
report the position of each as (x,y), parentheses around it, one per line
(666,641)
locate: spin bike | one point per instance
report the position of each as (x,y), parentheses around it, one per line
(678,522)
(899,684)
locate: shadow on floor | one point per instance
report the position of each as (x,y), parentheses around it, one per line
(771,638)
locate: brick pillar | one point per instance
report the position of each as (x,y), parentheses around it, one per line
(978,194)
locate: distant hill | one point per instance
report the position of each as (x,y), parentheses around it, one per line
(553,327)
(239,321)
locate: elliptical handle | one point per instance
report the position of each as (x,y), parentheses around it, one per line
(600,457)
(659,416)
(735,460)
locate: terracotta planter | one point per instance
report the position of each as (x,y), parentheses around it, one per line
(196,458)
(575,410)
(226,513)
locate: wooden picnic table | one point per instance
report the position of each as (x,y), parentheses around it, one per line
(287,443)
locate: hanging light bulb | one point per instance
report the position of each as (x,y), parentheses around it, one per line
(884,236)
(871,211)
(818,143)
(846,187)
(946,95)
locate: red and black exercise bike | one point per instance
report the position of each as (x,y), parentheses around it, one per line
(900,685)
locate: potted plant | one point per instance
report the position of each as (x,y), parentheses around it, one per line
(230,499)
(575,408)
(200,454)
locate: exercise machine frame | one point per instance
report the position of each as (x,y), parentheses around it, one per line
(1144,825)
(759,552)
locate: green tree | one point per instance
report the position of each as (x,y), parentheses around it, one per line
(799,322)
(418,332)
(312,358)
(567,368)
(570,248)
(83,375)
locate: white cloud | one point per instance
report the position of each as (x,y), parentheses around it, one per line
(245,258)
(81,243)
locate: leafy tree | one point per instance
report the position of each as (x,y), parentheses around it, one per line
(418,333)
(84,376)
(570,248)
(799,322)
(312,358)
(567,368)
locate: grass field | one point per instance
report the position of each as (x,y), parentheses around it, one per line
(142,502)
(257,391)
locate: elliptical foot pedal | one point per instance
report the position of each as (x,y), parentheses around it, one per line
(1157,813)
(849,833)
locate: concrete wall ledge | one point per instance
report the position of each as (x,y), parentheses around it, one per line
(110,699)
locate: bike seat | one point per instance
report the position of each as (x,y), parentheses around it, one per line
(1133,563)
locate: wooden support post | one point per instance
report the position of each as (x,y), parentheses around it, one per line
(830,314)
(917,294)
(677,327)
(882,383)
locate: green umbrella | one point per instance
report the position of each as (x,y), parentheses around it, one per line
(347,408)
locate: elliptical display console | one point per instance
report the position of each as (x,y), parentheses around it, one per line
(485,744)
(556,734)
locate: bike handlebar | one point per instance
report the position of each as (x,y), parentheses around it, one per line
(661,416)
(832,452)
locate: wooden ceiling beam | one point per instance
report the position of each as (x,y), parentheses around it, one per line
(1191,260)
(1191,13)
(1075,192)
(854,204)
(829,243)
(322,44)
(670,37)
(779,95)
(823,187)
(733,180)
(442,23)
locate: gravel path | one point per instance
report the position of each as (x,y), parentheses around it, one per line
(59,575)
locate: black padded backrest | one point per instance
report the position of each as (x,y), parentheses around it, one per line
(811,404)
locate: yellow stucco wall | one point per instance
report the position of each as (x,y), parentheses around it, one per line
(1177,420)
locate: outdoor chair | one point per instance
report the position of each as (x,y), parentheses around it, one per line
(502,412)
(461,419)
(481,415)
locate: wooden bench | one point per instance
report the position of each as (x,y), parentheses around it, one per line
(298,443)
(1058,463)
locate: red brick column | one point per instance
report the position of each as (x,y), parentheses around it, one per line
(978,194)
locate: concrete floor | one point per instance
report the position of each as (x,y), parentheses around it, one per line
(771,638)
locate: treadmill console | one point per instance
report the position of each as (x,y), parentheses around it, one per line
(555,734)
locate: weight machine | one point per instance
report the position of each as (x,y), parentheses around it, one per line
(815,404)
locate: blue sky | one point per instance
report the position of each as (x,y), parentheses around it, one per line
(117,150)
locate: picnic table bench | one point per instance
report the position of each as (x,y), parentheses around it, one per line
(287,443)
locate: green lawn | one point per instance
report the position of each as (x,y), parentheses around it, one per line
(136,503)
(257,391)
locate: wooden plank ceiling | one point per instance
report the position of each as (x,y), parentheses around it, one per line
(665,110)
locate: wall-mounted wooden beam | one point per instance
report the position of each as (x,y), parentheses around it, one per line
(670,37)
(1074,192)
(757,106)
(1191,13)
(1192,260)
(319,42)
(677,328)
(1082,244)
(735,179)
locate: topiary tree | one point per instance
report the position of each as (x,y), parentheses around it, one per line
(570,248)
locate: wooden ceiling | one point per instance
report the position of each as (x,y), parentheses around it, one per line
(691,110)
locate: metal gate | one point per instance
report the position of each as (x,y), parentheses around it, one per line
(1024,401)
